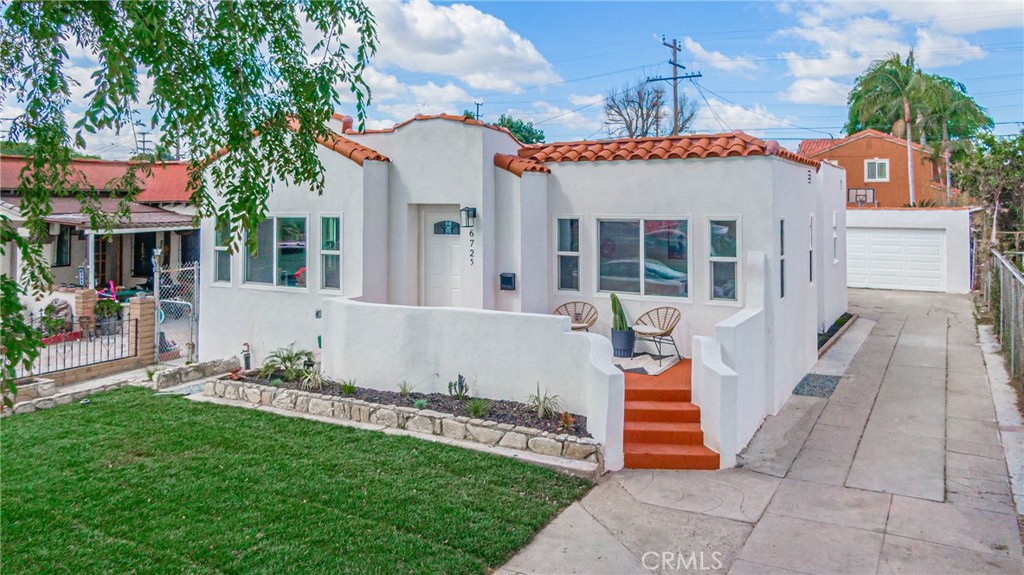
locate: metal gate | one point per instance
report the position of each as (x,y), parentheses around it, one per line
(177,312)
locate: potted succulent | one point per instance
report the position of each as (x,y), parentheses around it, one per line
(623,336)
(107,312)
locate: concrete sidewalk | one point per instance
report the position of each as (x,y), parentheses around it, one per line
(900,471)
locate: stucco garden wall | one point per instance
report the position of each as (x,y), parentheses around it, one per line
(503,355)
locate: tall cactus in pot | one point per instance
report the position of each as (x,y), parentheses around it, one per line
(623,336)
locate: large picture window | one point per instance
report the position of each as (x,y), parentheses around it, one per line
(280,257)
(724,260)
(657,247)
(330,252)
(568,253)
(221,251)
(62,248)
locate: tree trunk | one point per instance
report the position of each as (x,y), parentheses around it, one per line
(945,154)
(910,154)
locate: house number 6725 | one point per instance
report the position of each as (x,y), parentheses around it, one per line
(472,248)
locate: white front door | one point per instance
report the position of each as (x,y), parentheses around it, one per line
(903,259)
(442,258)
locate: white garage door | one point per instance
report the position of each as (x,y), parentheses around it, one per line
(904,259)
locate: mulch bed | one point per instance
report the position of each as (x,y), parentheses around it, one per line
(824,337)
(501,411)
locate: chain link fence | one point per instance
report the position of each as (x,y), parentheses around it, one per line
(177,313)
(1004,293)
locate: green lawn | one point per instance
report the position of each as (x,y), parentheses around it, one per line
(139,483)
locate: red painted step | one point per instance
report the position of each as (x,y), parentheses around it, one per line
(664,411)
(663,432)
(650,392)
(668,456)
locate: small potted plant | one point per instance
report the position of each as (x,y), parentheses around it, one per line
(623,336)
(107,312)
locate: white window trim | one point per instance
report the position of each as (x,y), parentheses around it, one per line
(231,258)
(835,237)
(738,302)
(643,257)
(321,269)
(810,250)
(877,161)
(273,286)
(782,258)
(578,254)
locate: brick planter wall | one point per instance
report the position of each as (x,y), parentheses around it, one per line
(421,421)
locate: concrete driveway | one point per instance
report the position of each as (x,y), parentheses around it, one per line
(901,470)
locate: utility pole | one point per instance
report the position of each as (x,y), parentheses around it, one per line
(676,66)
(144,145)
(477,104)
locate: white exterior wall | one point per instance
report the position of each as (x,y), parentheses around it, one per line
(831,260)
(502,355)
(269,317)
(698,190)
(956,222)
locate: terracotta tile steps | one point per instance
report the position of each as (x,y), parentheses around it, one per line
(662,428)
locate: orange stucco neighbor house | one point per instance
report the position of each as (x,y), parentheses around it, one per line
(876,168)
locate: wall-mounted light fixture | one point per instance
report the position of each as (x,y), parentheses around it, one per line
(468,217)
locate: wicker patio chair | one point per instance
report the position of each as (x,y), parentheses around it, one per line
(656,326)
(582,315)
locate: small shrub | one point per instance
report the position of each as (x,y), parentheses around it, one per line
(290,361)
(150,372)
(459,389)
(479,407)
(348,386)
(405,388)
(312,379)
(106,308)
(544,405)
(566,422)
(420,404)
(277,382)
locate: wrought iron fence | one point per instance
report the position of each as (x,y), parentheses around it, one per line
(1004,294)
(70,341)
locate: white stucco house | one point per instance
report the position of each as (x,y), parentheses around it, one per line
(427,232)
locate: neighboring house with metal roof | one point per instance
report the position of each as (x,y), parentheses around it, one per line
(450,219)
(876,169)
(160,218)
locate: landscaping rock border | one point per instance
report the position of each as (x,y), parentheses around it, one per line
(421,421)
(47,402)
(183,374)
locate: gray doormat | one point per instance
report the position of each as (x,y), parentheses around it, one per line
(817,385)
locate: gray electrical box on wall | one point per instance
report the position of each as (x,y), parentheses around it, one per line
(508,281)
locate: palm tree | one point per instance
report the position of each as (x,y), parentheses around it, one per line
(887,86)
(948,106)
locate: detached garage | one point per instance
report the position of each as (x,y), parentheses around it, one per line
(918,249)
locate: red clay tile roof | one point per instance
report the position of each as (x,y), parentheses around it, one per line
(518,165)
(354,151)
(817,147)
(167,183)
(421,117)
(663,148)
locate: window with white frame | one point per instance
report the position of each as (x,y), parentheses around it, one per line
(658,247)
(62,248)
(280,257)
(330,252)
(876,170)
(723,240)
(835,237)
(810,250)
(222,252)
(782,259)
(568,254)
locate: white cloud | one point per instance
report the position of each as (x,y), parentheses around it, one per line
(935,49)
(739,64)
(954,17)
(746,118)
(588,100)
(816,91)
(555,118)
(459,41)
(428,98)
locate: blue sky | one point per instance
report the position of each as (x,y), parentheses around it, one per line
(779,70)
